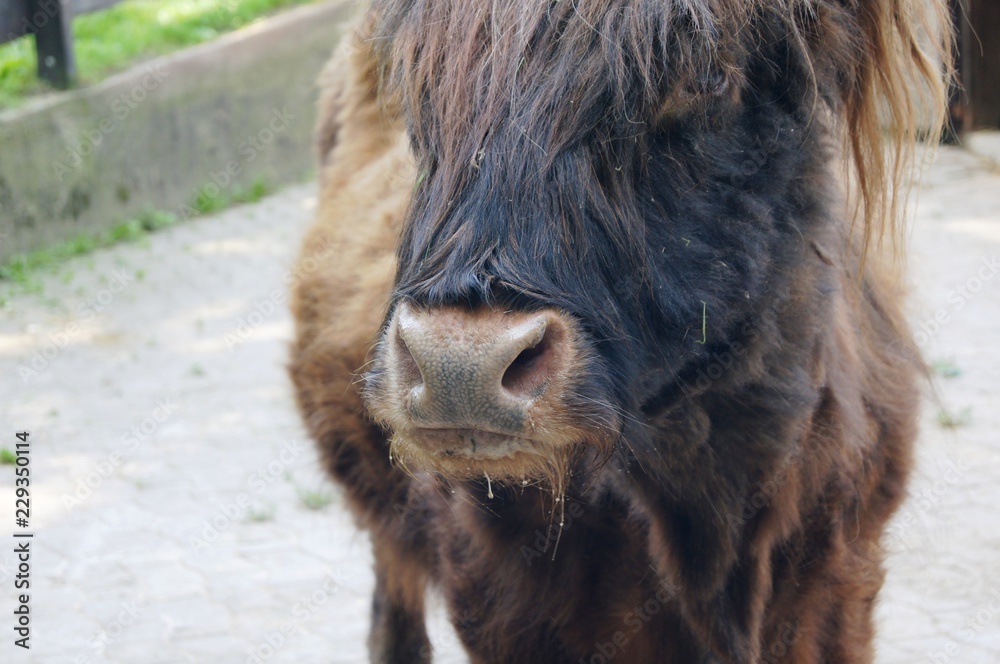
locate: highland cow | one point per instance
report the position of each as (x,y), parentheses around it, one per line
(600,334)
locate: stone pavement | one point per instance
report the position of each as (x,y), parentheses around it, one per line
(179,514)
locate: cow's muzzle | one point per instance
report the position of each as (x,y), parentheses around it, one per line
(475,386)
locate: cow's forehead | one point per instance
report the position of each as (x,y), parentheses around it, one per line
(466,70)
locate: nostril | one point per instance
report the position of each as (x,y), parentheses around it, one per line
(523,364)
(407,370)
(529,372)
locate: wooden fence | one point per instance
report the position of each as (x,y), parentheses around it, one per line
(49,21)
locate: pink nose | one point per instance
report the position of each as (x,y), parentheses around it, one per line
(455,368)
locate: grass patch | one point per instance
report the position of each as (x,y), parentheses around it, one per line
(110,40)
(203,204)
(945,369)
(7,457)
(314,499)
(22,269)
(950,420)
(261,514)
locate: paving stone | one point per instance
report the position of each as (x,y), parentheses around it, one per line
(193,616)
(288,565)
(69,631)
(218,649)
(168,581)
(230,589)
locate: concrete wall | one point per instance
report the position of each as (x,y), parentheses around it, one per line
(199,122)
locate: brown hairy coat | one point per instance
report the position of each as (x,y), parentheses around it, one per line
(735,519)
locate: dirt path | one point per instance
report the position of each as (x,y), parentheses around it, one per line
(173,488)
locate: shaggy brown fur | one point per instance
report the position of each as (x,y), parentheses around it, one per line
(756,395)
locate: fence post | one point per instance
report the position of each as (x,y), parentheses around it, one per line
(981,64)
(958,100)
(51,22)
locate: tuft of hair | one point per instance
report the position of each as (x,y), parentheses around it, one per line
(894,94)
(550,473)
(881,66)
